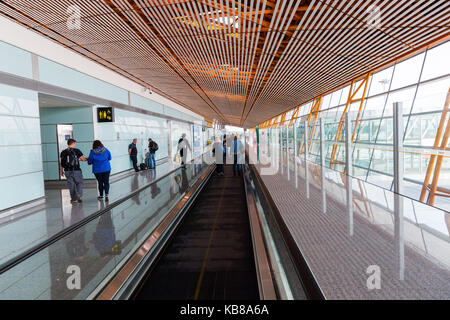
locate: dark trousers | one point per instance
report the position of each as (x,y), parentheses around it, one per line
(134,160)
(219,167)
(75,183)
(103,182)
(236,165)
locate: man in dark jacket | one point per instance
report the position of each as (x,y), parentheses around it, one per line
(132,151)
(152,148)
(70,167)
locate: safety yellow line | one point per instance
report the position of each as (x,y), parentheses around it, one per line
(205,259)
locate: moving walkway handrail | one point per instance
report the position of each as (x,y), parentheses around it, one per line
(63,233)
(266,283)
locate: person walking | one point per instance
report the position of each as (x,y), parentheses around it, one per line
(237,152)
(183,145)
(100,158)
(218,154)
(132,151)
(152,148)
(70,168)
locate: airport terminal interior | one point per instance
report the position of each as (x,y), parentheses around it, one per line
(299,150)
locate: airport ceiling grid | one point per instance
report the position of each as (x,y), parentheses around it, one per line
(239,62)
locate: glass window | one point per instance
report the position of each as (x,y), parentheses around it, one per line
(344,95)
(336,96)
(278,119)
(374,106)
(288,116)
(437,62)
(385,133)
(306,108)
(325,102)
(421,129)
(407,72)
(404,96)
(370,122)
(354,109)
(358,94)
(431,96)
(381,81)
(339,112)
(331,115)
(323,114)
(382,161)
(415,166)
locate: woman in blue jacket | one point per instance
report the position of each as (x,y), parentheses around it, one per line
(99,159)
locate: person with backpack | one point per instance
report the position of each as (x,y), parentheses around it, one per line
(132,151)
(152,148)
(100,158)
(70,168)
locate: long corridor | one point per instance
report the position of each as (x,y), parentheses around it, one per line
(210,257)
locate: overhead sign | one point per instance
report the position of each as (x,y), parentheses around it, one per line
(105,114)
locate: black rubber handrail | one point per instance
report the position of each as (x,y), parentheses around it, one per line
(61,234)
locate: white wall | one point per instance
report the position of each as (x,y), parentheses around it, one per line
(117,137)
(21,171)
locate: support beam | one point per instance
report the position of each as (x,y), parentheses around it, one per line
(322,165)
(348,169)
(443,132)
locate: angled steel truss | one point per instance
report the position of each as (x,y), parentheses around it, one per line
(440,143)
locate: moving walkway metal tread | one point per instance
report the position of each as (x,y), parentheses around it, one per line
(218,220)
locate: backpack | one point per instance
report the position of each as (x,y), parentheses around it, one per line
(71,159)
(154,147)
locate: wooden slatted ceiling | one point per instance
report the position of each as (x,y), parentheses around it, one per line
(238,62)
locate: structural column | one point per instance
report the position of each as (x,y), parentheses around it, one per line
(305,142)
(288,167)
(295,155)
(349,171)
(322,166)
(398,189)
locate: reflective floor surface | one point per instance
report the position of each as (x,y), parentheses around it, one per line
(382,246)
(98,248)
(25,229)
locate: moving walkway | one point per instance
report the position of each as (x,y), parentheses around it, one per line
(189,235)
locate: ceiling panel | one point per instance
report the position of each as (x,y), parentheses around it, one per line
(238,62)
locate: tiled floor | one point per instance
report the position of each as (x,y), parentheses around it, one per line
(99,246)
(340,261)
(24,230)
